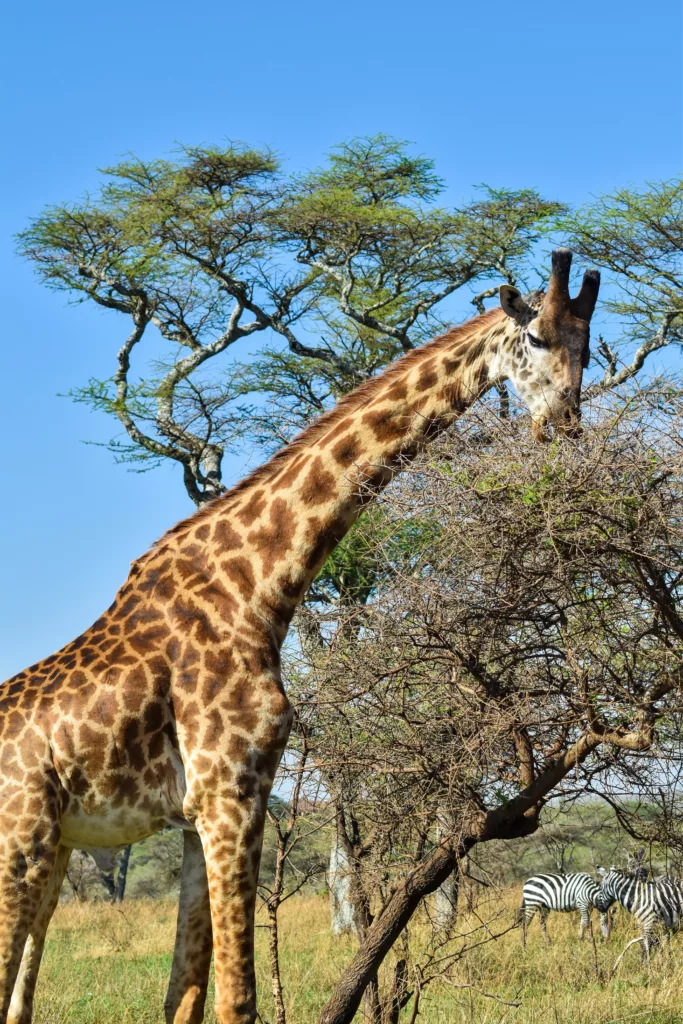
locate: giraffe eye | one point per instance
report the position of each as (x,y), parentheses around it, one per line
(536,342)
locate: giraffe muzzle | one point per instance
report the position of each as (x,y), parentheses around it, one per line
(569,424)
(540,431)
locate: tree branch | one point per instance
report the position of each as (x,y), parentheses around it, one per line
(612,378)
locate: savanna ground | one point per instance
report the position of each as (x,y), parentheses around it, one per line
(105,965)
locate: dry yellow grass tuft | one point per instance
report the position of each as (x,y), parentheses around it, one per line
(109,965)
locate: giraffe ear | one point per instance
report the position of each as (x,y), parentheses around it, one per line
(513,304)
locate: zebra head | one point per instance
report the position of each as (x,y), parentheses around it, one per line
(612,883)
(635,865)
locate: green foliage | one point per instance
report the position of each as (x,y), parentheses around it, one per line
(637,234)
(367,223)
(151,225)
(374,548)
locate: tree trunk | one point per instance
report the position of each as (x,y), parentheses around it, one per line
(467,884)
(445,903)
(339,882)
(399,994)
(384,931)
(273,906)
(350,902)
(122,876)
(109,882)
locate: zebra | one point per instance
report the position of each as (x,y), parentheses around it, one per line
(653,903)
(577,891)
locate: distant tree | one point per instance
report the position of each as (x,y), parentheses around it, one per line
(99,874)
(84,878)
(158,863)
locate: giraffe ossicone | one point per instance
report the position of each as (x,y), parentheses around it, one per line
(169,709)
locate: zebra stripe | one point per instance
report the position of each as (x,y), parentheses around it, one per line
(576,891)
(652,903)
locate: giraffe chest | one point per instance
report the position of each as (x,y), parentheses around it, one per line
(123,801)
(107,827)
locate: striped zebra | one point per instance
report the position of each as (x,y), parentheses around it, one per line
(654,904)
(577,891)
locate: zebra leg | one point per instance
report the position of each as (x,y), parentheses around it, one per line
(526,913)
(651,940)
(604,923)
(649,945)
(543,917)
(585,922)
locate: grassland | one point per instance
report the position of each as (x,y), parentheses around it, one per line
(109,966)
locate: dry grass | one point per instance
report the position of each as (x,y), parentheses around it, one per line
(109,966)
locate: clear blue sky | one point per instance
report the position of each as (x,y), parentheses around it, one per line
(572,98)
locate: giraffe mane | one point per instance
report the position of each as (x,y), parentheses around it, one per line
(350,402)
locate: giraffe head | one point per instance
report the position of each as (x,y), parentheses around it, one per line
(551,349)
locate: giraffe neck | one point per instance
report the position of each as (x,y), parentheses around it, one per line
(261,544)
(293,511)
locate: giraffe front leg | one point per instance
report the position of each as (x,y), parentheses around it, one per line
(230,815)
(21,1006)
(184,1003)
(231,836)
(232,878)
(29,845)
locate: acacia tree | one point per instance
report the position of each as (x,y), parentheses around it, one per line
(184,247)
(527,641)
(339,270)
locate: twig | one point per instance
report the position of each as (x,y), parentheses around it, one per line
(479,991)
(621,955)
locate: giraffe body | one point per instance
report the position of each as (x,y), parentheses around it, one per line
(169,709)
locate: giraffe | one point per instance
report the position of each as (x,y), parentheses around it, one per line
(169,709)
